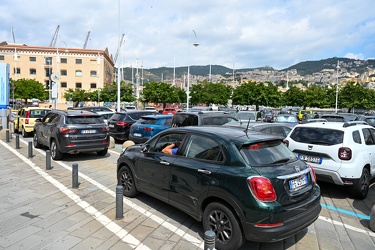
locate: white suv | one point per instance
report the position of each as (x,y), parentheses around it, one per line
(342,153)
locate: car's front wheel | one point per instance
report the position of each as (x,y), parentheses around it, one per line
(55,152)
(125,178)
(36,142)
(361,186)
(218,218)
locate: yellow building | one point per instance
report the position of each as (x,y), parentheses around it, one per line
(75,68)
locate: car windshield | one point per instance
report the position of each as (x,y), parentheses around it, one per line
(245,116)
(319,136)
(286,119)
(84,120)
(266,153)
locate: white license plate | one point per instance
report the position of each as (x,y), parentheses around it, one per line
(89,131)
(137,135)
(299,182)
(309,158)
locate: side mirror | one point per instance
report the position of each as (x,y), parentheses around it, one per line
(145,148)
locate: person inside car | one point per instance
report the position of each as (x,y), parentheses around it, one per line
(171,149)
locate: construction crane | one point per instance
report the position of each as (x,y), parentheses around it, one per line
(118,49)
(87,39)
(54,38)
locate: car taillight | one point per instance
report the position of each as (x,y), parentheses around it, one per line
(121,124)
(345,154)
(148,129)
(312,173)
(67,130)
(278,224)
(27,117)
(286,142)
(262,188)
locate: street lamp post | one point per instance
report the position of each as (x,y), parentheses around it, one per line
(98,76)
(55,91)
(188,74)
(337,83)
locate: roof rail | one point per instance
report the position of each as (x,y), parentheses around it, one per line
(353,123)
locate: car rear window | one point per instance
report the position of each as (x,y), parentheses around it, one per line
(84,120)
(147,121)
(137,116)
(38,113)
(217,120)
(318,136)
(266,153)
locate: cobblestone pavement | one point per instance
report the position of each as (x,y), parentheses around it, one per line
(40,209)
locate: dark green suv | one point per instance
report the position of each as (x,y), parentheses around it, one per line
(241,185)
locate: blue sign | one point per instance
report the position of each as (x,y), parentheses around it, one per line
(4,85)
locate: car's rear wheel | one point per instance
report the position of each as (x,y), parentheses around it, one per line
(24,133)
(218,218)
(35,141)
(55,152)
(361,187)
(102,152)
(125,178)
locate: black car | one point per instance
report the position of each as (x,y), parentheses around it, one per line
(119,124)
(201,118)
(71,131)
(220,176)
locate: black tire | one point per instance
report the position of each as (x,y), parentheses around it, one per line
(361,186)
(125,178)
(36,142)
(221,220)
(55,152)
(102,152)
(24,133)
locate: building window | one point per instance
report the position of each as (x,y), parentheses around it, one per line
(48,71)
(63,84)
(78,85)
(63,60)
(78,72)
(17,71)
(47,84)
(64,72)
(48,61)
(2,58)
(93,73)
(93,85)
(32,59)
(32,71)
(78,61)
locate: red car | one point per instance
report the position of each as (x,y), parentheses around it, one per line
(169,111)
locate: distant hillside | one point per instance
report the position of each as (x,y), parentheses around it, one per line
(303,68)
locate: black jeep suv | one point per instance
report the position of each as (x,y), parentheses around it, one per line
(71,131)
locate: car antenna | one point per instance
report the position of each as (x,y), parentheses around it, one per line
(247,127)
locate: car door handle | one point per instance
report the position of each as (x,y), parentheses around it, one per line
(204,171)
(164,163)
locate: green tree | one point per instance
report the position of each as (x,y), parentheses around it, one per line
(293,97)
(28,89)
(210,93)
(160,92)
(315,97)
(354,96)
(109,92)
(77,95)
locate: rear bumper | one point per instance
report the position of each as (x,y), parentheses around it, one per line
(290,226)
(138,140)
(72,147)
(120,135)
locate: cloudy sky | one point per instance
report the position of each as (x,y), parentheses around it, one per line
(233,33)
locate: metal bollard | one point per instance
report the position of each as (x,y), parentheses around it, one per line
(17,141)
(30,149)
(75,175)
(7,136)
(48,160)
(209,240)
(119,202)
